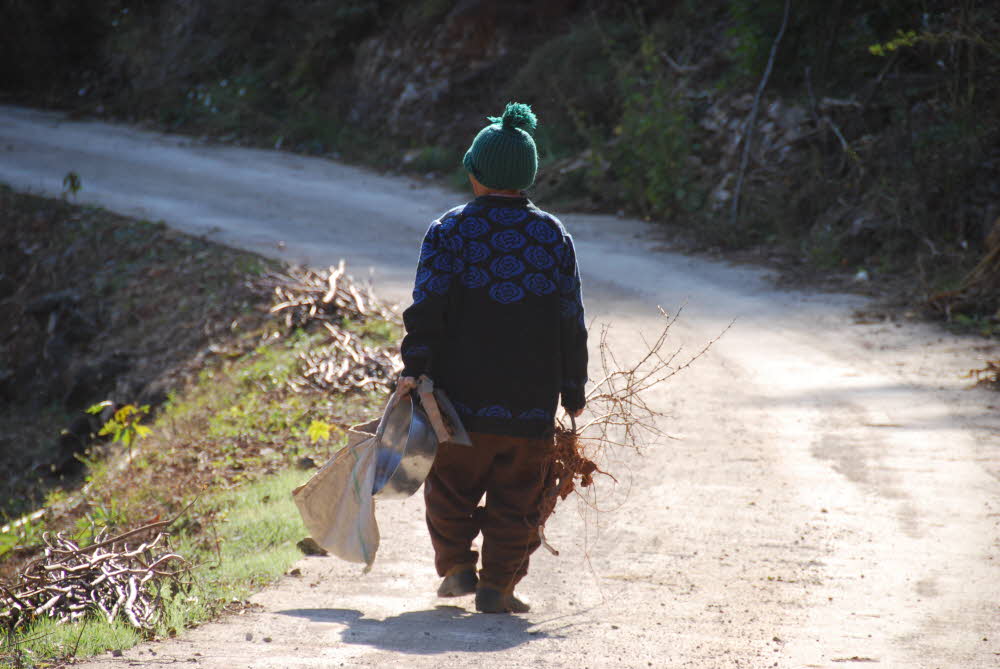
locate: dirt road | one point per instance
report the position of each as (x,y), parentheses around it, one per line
(831,497)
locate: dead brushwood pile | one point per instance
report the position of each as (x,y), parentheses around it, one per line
(114,577)
(987,376)
(622,418)
(304,298)
(346,364)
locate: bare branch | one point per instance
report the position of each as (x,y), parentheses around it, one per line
(622,417)
(752,119)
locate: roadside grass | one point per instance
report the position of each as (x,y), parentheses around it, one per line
(252,543)
(229,443)
(224,449)
(51,640)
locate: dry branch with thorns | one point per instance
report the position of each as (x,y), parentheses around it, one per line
(623,417)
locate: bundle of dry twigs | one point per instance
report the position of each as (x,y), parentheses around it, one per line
(988,375)
(346,364)
(303,295)
(622,417)
(112,576)
(303,298)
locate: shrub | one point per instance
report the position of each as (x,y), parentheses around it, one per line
(654,139)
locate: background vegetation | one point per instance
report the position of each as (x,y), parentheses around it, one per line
(877,143)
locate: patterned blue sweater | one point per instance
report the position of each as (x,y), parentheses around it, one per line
(497,316)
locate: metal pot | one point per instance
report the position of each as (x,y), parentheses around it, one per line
(406,448)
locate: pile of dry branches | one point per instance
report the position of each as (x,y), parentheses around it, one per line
(112,577)
(988,376)
(622,416)
(305,298)
(302,296)
(346,364)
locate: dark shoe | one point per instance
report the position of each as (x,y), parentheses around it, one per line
(491,600)
(461,582)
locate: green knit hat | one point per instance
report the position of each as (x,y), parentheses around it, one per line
(503,155)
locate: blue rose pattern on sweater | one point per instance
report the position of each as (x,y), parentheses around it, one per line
(506,267)
(445,254)
(501,411)
(508,253)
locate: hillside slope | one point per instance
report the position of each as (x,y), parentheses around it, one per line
(875,148)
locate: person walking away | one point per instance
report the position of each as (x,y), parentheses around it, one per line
(497,321)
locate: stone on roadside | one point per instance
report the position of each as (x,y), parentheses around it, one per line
(308,546)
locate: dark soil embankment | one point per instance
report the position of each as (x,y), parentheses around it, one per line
(254,371)
(98,307)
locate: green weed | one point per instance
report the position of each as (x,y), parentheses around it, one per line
(49,639)
(72,184)
(974,324)
(378,332)
(656,134)
(124,426)
(110,514)
(25,535)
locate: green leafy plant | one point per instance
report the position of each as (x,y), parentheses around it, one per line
(907,38)
(102,515)
(433,159)
(318,431)
(124,426)
(72,184)
(975,324)
(25,532)
(655,139)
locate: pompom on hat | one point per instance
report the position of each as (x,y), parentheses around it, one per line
(503,155)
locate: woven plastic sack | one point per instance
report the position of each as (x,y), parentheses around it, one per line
(336,504)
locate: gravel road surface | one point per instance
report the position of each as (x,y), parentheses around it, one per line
(830,496)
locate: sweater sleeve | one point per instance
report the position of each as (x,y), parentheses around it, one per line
(425,319)
(572,332)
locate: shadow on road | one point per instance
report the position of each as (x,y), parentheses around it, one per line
(440,630)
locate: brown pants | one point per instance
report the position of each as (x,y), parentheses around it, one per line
(511,471)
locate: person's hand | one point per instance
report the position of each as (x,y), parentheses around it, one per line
(405,384)
(575,414)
